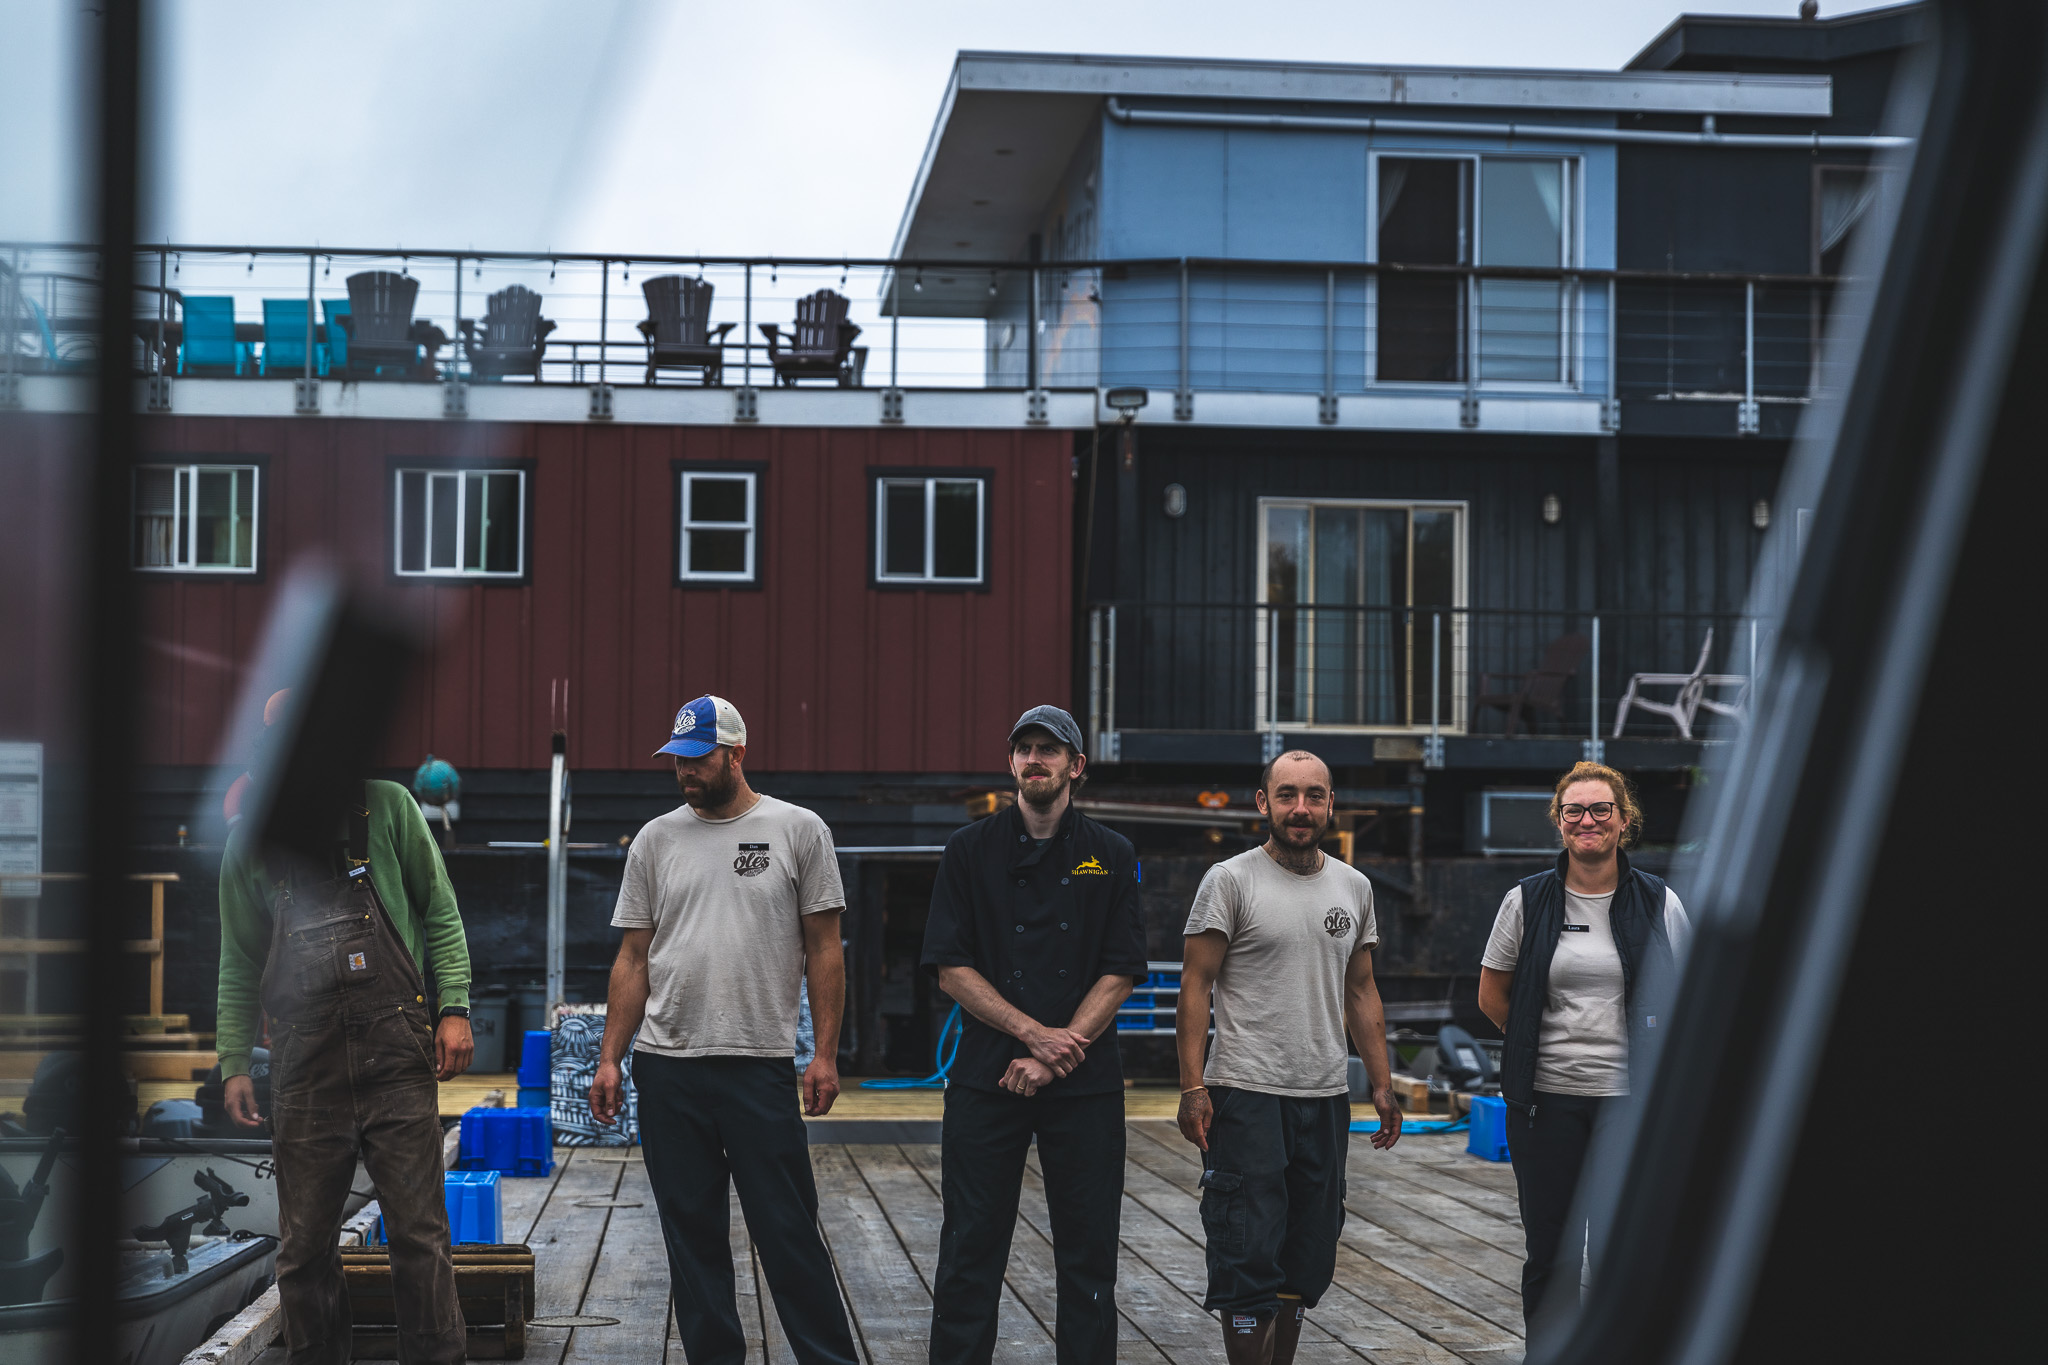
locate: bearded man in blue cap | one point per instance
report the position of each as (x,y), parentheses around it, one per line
(729,906)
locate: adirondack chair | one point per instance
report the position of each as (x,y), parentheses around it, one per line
(284,339)
(512,337)
(820,345)
(383,338)
(678,328)
(1692,694)
(209,345)
(1539,692)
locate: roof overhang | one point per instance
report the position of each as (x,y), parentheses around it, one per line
(1010,122)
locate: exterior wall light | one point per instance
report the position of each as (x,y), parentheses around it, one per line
(1176,500)
(1760,514)
(1553,509)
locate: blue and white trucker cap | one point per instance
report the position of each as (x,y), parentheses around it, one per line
(703,725)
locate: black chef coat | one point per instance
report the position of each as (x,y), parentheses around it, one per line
(1043,925)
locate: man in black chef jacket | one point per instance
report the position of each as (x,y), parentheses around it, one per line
(1035,930)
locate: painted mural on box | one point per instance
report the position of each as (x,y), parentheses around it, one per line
(572,1066)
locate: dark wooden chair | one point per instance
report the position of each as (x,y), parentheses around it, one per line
(1539,692)
(678,328)
(384,340)
(512,337)
(820,346)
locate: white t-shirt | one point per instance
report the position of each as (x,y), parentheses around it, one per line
(1582,1045)
(726,899)
(1279,996)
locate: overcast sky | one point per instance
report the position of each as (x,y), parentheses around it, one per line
(638,125)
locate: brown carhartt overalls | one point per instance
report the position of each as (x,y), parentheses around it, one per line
(352,1070)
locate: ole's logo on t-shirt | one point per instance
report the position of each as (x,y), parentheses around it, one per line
(1337,922)
(753,860)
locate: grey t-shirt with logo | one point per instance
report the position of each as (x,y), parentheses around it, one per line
(726,899)
(1279,996)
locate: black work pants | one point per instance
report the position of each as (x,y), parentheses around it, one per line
(711,1124)
(1081,1153)
(1548,1146)
(1273,1197)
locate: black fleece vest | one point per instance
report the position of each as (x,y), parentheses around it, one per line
(1637,914)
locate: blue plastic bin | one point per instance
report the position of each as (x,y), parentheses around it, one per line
(536,1058)
(1137,1000)
(1489,1137)
(475,1213)
(533,1097)
(509,1141)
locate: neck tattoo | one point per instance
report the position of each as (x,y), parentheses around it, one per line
(1300,861)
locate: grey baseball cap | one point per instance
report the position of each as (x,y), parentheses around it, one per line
(1050,718)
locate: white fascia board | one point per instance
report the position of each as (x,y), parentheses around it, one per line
(632,404)
(1504,414)
(1615,92)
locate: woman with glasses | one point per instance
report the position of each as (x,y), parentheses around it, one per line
(1563,977)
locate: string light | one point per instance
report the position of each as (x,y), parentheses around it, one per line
(917,282)
(991,284)
(551,270)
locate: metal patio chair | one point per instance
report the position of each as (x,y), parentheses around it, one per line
(820,345)
(511,339)
(678,328)
(1539,692)
(1691,697)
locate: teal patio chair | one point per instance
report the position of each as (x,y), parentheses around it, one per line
(337,335)
(209,345)
(284,339)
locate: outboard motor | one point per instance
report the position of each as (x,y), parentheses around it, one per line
(23,1276)
(1465,1064)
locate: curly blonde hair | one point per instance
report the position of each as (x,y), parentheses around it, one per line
(1617,782)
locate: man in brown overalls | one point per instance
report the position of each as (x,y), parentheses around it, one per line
(355,1055)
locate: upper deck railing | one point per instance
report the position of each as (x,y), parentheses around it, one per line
(1180,325)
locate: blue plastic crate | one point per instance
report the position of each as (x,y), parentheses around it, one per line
(533,1097)
(1489,1137)
(1137,1000)
(475,1213)
(510,1141)
(536,1058)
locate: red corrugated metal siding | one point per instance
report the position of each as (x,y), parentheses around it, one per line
(831,674)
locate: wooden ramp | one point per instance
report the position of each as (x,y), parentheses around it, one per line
(1429,1269)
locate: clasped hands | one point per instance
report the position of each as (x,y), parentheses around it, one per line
(1055,1052)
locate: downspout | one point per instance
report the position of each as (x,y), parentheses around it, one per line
(1816,142)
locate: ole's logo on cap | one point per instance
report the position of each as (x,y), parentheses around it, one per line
(686,721)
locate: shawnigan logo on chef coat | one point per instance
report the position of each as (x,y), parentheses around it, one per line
(753,860)
(1092,868)
(1337,922)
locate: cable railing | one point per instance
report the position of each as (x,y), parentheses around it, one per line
(1327,329)
(1424,670)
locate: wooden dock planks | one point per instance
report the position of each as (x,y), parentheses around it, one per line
(1428,1271)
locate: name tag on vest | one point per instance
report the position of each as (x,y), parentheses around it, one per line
(1578,928)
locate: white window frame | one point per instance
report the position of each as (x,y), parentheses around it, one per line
(186,495)
(931,482)
(1456,642)
(1571,306)
(752,525)
(461,477)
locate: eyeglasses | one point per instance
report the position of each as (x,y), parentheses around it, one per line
(1601,811)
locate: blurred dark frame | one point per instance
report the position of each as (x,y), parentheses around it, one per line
(1792,1191)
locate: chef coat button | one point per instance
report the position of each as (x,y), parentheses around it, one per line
(1063,971)
(1063,924)
(1023,838)
(1020,928)
(1017,976)
(1063,881)
(1022,882)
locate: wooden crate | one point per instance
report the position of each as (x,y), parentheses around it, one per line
(494,1284)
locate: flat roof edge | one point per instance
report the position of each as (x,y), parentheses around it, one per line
(1087,75)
